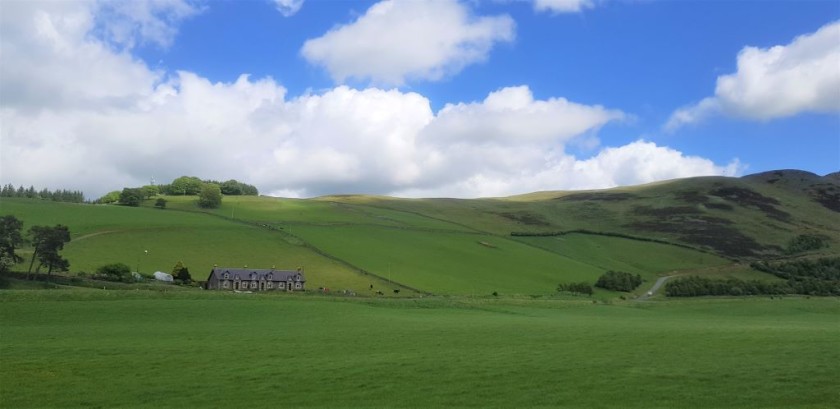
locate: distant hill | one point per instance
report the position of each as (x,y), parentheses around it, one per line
(750,217)
(523,244)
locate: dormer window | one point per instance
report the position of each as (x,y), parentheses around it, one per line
(269,277)
(227,276)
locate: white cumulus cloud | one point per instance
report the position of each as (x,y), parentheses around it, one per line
(399,40)
(129,23)
(562,6)
(77,114)
(523,169)
(776,82)
(511,115)
(57,63)
(288,8)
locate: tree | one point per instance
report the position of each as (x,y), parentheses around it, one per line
(234,187)
(6,264)
(619,281)
(47,242)
(231,187)
(114,272)
(210,196)
(131,197)
(8,190)
(149,191)
(806,242)
(160,203)
(10,240)
(110,197)
(575,288)
(185,185)
(181,273)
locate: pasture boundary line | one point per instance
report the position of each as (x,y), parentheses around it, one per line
(620,236)
(307,245)
(384,226)
(428,217)
(348,264)
(94,234)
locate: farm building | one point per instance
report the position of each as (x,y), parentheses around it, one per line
(249,279)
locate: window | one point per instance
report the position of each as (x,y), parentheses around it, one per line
(269,284)
(297,285)
(227,276)
(253,284)
(269,277)
(281,285)
(225,284)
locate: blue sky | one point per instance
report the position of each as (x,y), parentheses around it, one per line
(367,97)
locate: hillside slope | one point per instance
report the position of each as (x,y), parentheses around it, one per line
(746,218)
(151,240)
(522,245)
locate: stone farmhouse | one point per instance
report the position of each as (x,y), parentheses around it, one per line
(249,279)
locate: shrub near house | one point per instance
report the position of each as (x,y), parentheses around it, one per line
(113,272)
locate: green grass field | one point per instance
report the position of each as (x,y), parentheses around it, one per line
(105,349)
(450,263)
(110,234)
(638,257)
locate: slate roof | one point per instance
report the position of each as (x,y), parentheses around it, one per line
(245,274)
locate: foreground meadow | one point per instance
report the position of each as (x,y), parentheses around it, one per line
(94,348)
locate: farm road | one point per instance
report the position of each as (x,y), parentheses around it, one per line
(87,236)
(659,282)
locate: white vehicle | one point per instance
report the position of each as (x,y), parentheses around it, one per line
(161,276)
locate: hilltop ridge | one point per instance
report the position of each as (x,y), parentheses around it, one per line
(523,244)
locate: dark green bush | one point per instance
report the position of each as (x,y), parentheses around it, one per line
(575,288)
(806,242)
(619,281)
(114,272)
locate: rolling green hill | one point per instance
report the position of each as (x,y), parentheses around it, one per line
(517,245)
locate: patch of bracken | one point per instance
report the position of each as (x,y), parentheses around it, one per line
(665,211)
(711,232)
(692,197)
(826,194)
(750,198)
(718,206)
(527,218)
